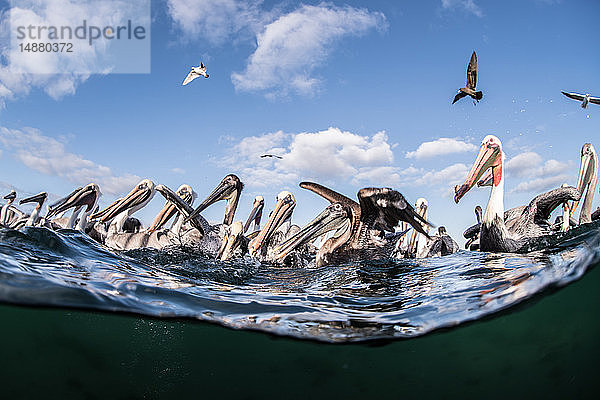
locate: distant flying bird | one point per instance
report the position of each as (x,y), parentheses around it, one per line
(471,82)
(271,155)
(584,98)
(195,73)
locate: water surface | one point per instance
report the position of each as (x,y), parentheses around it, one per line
(344,303)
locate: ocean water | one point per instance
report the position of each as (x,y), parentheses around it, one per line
(381,300)
(110,325)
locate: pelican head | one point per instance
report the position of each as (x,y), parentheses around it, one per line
(336,217)
(11,196)
(228,189)
(490,156)
(282,212)
(38,198)
(256,213)
(186,193)
(478,214)
(136,199)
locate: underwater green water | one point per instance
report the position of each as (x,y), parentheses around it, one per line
(548,347)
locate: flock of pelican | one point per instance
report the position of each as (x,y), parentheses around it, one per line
(382,224)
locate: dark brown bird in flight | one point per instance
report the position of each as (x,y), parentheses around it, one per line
(271,155)
(471,82)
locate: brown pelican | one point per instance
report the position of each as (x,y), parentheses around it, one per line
(196,72)
(4,212)
(117,213)
(358,228)
(470,89)
(277,228)
(517,229)
(440,244)
(586,183)
(584,98)
(34,218)
(154,237)
(86,196)
(233,238)
(472,233)
(229,189)
(205,237)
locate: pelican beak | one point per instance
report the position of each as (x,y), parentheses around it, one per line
(421,211)
(38,198)
(139,195)
(283,210)
(489,156)
(586,172)
(85,196)
(223,191)
(334,217)
(169,209)
(181,205)
(231,241)
(255,214)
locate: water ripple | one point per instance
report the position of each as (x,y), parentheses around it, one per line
(371,300)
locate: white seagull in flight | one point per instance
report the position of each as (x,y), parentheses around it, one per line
(195,73)
(584,98)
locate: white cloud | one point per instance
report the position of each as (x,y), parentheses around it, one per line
(31,70)
(177,170)
(440,147)
(216,21)
(540,185)
(523,164)
(466,5)
(531,164)
(542,175)
(448,176)
(49,156)
(326,155)
(293,46)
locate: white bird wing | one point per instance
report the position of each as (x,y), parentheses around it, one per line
(595,100)
(574,96)
(191,76)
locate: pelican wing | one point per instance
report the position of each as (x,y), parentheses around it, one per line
(458,96)
(190,77)
(472,72)
(332,196)
(387,207)
(595,100)
(574,96)
(543,204)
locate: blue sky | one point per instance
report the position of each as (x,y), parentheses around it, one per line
(348,92)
